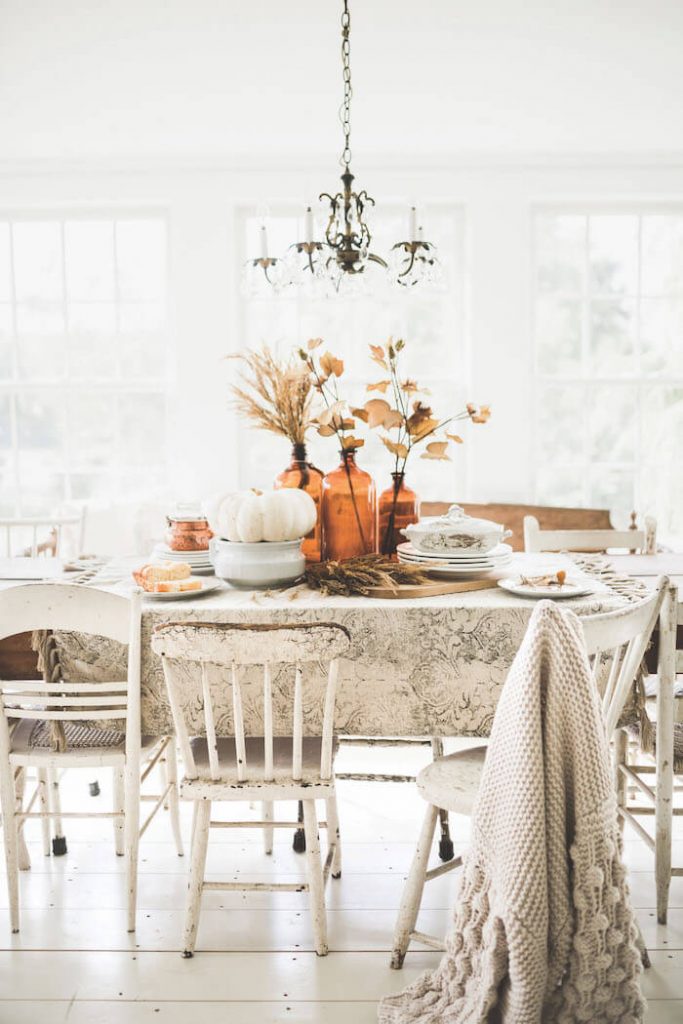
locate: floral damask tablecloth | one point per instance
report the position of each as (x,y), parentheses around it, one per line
(430,666)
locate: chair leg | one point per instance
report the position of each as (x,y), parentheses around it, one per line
(620,757)
(131,832)
(7,807)
(412,892)
(171,774)
(446,851)
(23,856)
(44,797)
(119,808)
(299,840)
(59,847)
(316,883)
(195,884)
(333,836)
(266,816)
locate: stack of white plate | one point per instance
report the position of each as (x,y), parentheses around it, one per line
(199,561)
(457,562)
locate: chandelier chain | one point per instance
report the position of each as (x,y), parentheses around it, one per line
(345,112)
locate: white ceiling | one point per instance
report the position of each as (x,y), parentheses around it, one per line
(246,78)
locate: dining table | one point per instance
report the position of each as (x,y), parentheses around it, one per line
(427,666)
(431,666)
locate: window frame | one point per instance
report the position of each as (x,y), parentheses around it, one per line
(67,385)
(588,380)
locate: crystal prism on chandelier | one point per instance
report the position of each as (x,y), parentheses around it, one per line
(340,259)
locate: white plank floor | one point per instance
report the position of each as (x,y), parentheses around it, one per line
(74,961)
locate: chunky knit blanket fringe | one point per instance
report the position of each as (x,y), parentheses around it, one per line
(543,928)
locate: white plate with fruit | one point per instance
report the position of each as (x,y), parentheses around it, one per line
(173,581)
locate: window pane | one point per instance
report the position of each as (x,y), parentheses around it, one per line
(5,279)
(661,336)
(662,254)
(612,337)
(93,427)
(141,316)
(41,359)
(40,317)
(41,421)
(662,427)
(560,485)
(613,254)
(558,336)
(612,414)
(43,485)
(5,421)
(561,424)
(37,261)
(142,421)
(6,361)
(141,259)
(89,247)
(612,489)
(560,252)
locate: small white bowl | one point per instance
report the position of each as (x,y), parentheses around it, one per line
(257,566)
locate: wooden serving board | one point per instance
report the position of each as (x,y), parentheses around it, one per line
(436,589)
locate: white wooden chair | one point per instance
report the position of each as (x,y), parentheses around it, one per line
(643,541)
(34,536)
(28,708)
(452,782)
(249,768)
(665,707)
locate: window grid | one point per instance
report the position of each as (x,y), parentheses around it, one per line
(110,466)
(589,378)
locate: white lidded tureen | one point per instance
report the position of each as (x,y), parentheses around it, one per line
(455,531)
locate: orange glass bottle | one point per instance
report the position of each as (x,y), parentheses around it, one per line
(399,506)
(349,511)
(300,473)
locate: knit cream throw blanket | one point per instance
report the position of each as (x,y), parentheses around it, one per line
(543,928)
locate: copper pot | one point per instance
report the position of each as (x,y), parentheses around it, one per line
(188,534)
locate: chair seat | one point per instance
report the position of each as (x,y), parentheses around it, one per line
(282,763)
(35,737)
(452,782)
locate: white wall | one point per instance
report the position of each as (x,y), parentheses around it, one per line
(83,78)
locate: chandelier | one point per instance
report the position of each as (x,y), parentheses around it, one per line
(341,260)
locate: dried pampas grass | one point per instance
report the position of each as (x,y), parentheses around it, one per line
(358,575)
(274,395)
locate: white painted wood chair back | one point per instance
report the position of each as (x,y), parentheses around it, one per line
(234,647)
(249,776)
(643,541)
(70,608)
(41,535)
(647,765)
(452,782)
(623,636)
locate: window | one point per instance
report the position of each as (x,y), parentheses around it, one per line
(431,322)
(609,361)
(82,358)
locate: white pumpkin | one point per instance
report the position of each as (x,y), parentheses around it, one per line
(253,516)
